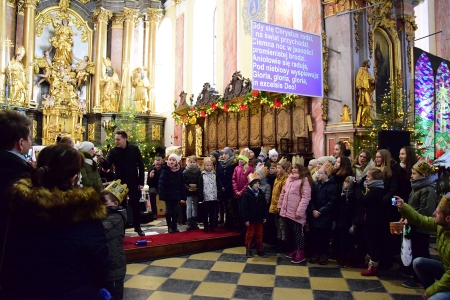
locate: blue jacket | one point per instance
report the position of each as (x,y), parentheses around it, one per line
(323,199)
(171,185)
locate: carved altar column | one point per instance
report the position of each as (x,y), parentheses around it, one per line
(130,17)
(153,19)
(2,48)
(28,43)
(100,19)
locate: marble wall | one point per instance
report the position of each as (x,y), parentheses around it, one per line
(116,44)
(280,13)
(442,11)
(179,70)
(229,40)
(311,22)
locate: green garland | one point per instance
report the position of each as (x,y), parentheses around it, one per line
(264,98)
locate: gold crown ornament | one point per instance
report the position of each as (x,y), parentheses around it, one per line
(244,155)
(118,190)
(253,176)
(284,163)
(262,171)
(423,168)
(444,204)
(297,160)
(20,51)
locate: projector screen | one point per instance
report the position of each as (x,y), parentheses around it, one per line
(286,60)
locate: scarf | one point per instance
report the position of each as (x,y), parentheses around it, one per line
(192,170)
(402,165)
(423,182)
(375,184)
(361,173)
(255,192)
(226,163)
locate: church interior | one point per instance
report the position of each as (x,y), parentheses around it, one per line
(185,74)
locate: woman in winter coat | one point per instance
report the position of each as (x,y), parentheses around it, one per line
(363,164)
(294,200)
(89,172)
(171,189)
(66,255)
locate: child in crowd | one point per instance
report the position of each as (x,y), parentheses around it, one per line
(312,166)
(225,170)
(424,200)
(292,205)
(207,193)
(263,156)
(114,226)
(346,211)
(273,156)
(321,209)
(240,183)
(254,214)
(214,156)
(272,174)
(191,174)
(371,216)
(171,189)
(282,168)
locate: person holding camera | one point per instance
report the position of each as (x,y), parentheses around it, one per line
(89,173)
(433,274)
(422,199)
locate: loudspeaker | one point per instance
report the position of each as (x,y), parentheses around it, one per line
(393,140)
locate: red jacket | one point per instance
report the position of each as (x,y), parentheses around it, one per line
(239,180)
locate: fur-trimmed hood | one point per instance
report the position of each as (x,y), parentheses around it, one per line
(71,206)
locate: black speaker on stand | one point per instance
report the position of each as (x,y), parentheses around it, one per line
(393,140)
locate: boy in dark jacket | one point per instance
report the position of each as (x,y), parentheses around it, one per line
(114,226)
(321,207)
(254,214)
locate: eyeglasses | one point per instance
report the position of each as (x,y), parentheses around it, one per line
(361,156)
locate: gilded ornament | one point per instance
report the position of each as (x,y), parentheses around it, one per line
(365,86)
(373,134)
(400,114)
(91,132)
(156,132)
(35,124)
(198,141)
(384,126)
(183,141)
(346,114)
(419,142)
(101,15)
(384,105)
(64,5)
(154,15)
(190,138)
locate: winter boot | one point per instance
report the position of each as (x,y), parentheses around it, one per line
(315,258)
(174,223)
(169,223)
(323,260)
(248,250)
(194,224)
(260,249)
(299,257)
(341,261)
(291,255)
(372,270)
(189,224)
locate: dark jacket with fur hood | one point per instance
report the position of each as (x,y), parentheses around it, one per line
(115,232)
(56,247)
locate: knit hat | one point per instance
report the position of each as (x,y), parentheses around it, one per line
(84,146)
(228,151)
(444,204)
(262,171)
(244,155)
(216,154)
(423,168)
(263,153)
(176,153)
(284,163)
(313,162)
(118,190)
(273,152)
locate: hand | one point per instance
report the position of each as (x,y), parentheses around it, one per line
(100,159)
(152,173)
(247,223)
(140,187)
(404,221)
(352,229)
(297,216)
(238,193)
(425,297)
(399,202)
(316,214)
(223,189)
(264,221)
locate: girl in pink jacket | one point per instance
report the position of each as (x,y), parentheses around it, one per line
(240,183)
(294,200)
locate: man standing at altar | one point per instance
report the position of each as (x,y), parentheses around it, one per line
(127,160)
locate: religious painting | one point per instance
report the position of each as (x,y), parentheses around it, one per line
(382,68)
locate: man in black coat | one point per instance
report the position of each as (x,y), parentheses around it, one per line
(16,142)
(129,167)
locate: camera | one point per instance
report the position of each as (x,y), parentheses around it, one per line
(394,201)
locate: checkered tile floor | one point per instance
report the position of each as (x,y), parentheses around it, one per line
(228,274)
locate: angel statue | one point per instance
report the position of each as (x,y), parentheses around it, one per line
(141,86)
(110,86)
(84,69)
(44,63)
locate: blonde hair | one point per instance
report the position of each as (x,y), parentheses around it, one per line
(191,158)
(208,162)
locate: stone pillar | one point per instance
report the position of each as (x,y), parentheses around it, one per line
(100,19)
(130,17)
(153,19)
(116,43)
(3,46)
(28,43)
